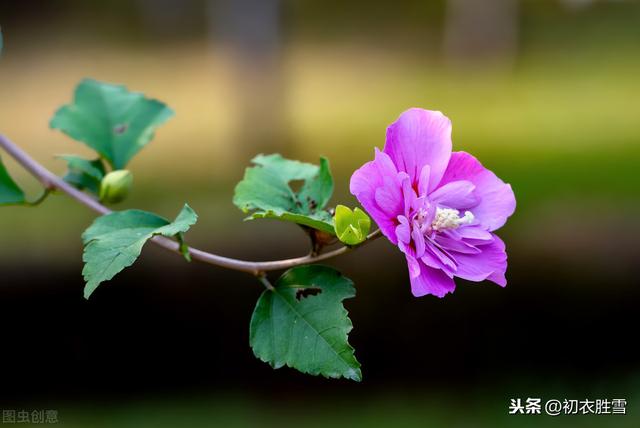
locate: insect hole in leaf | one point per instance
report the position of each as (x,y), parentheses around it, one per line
(301,293)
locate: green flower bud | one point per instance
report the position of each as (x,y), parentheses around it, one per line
(115,186)
(351,227)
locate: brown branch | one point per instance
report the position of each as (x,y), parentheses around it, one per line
(52,182)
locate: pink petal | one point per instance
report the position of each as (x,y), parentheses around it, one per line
(418,240)
(379,173)
(423,180)
(438,258)
(426,280)
(490,263)
(472,232)
(496,199)
(414,266)
(389,198)
(418,138)
(455,194)
(409,195)
(403,230)
(456,245)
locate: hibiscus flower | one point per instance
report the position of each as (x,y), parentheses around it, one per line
(439,207)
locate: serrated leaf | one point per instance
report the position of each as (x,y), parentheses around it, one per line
(266,191)
(10,192)
(111,120)
(114,241)
(302,323)
(84,174)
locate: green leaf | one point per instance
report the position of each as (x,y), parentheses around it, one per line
(10,193)
(266,191)
(302,323)
(352,227)
(94,169)
(111,120)
(114,241)
(84,174)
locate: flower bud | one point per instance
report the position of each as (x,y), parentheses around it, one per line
(351,227)
(115,186)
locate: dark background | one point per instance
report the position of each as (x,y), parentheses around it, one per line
(544,93)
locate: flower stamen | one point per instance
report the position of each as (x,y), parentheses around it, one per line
(448,218)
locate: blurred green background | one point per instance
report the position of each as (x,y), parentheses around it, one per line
(545,93)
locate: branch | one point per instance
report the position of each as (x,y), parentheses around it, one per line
(52,182)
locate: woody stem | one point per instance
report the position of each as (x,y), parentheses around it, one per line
(52,182)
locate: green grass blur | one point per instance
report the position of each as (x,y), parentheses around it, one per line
(487,406)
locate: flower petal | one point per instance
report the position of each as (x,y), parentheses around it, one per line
(387,198)
(418,138)
(439,258)
(408,193)
(455,194)
(423,180)
(403,230)
(496,199)
(490,263)
(472,232)
(365,182)
(418,240)
(414,266)
(456,245)
(426,280)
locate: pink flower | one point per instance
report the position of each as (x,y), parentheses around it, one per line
(440,208)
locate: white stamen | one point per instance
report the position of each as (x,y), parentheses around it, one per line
(447,218)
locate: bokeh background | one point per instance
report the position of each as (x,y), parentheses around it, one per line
(545,93)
